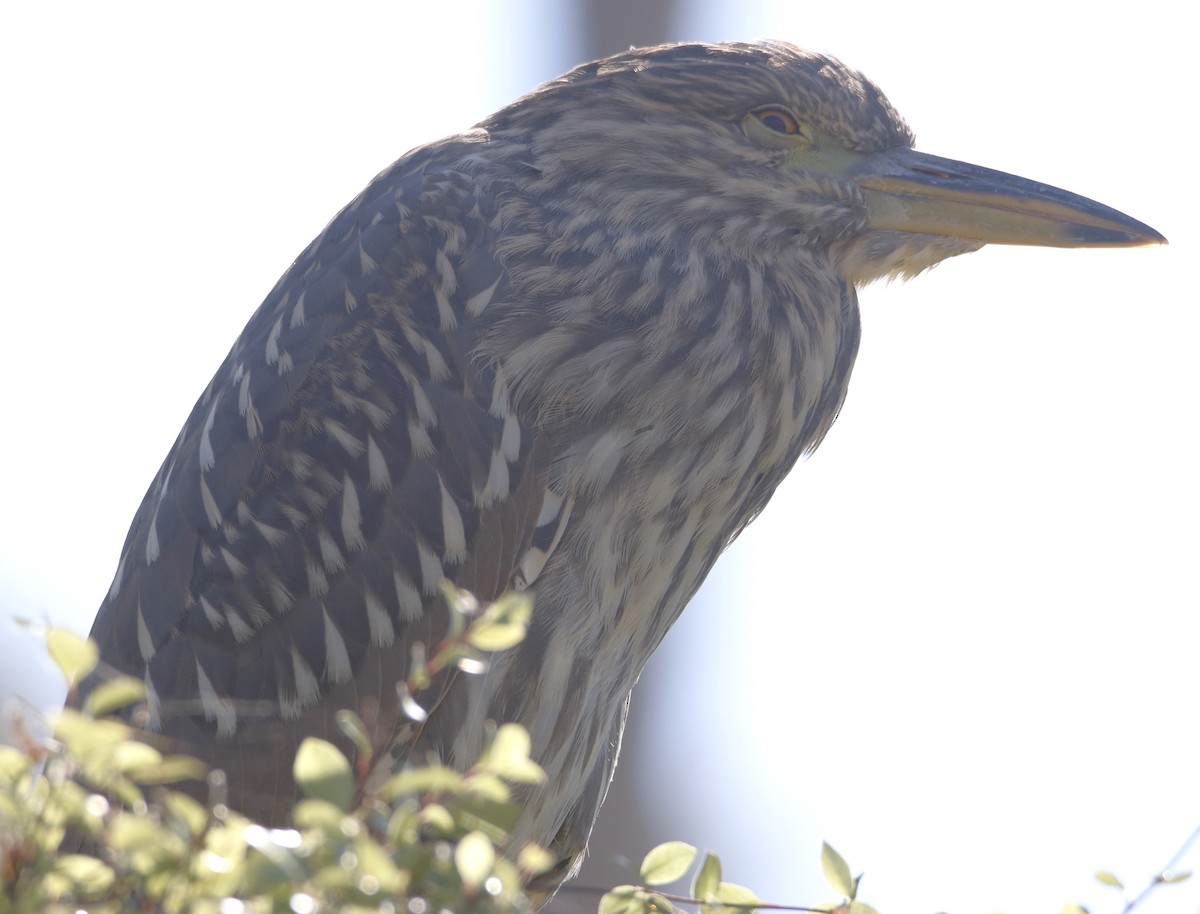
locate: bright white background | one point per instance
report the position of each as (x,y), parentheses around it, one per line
(961,644)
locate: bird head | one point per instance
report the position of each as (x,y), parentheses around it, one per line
(755,149)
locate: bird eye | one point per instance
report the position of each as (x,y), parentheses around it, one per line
(779,120)
(776,127)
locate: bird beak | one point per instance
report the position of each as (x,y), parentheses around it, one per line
(909,191)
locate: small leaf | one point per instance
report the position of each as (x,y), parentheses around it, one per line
(488,786)
(355,730)
(508,756)
(84,737)
(474,858)
(1104,877)
(318,815)
(437,819)
(13,763)
(624,899)
(171,769)
(73,803)
(132,755)
(459,603)
(418,670)
(837,873)
(494,818)
(113,695)
(858,907)
(658,904)
(323,773)
(730,893)
(86,874)
(130,832)
(418,781)
(1169,878)
(75,656)
(534,860)
(183,808)
(509,741)
(708,878)
(1074,909)
(374,860)
(503,624)
(667,862)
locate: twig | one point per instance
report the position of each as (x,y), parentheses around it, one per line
(574,889)
(1160,877)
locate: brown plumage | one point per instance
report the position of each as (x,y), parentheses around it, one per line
(574,351)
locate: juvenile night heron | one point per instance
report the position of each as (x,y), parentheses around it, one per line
(573,351)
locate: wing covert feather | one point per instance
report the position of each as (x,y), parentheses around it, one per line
(350,454)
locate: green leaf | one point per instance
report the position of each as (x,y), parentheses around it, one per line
(667,862)
(1172,878)
(374,860)
(708,878)
(418,680)
(419,781)
(171,769)
(86,738)
(404,826)
(355,730)
(318,815)
(13,764)
(837,873)
(183,808)
(71,804)
(488,786)
(113,695)
(502,624)
(1104,877)
(534,860)
(461,604)
(474,858)
(496,819)
(323,773)
(858,907)
(130,832)
(437,819)
(730,893)
(75,656)
(504,887)
(86,874)
(132,754)
(508,756)
(624,899)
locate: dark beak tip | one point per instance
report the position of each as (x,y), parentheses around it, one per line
(1146,237)
(1138,233)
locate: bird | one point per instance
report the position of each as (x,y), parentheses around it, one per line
(570,352)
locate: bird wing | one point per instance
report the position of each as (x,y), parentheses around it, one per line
(349,456)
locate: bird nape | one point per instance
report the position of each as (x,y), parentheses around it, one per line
(571,351)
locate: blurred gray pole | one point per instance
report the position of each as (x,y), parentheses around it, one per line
(610,26)
(621,836)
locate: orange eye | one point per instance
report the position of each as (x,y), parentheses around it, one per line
(779,120)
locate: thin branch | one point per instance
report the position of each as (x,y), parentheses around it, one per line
(575,889)
(1161,877)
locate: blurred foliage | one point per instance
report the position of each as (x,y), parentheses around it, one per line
(89,820)
(672,861)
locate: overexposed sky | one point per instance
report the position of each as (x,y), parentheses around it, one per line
(961,644)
